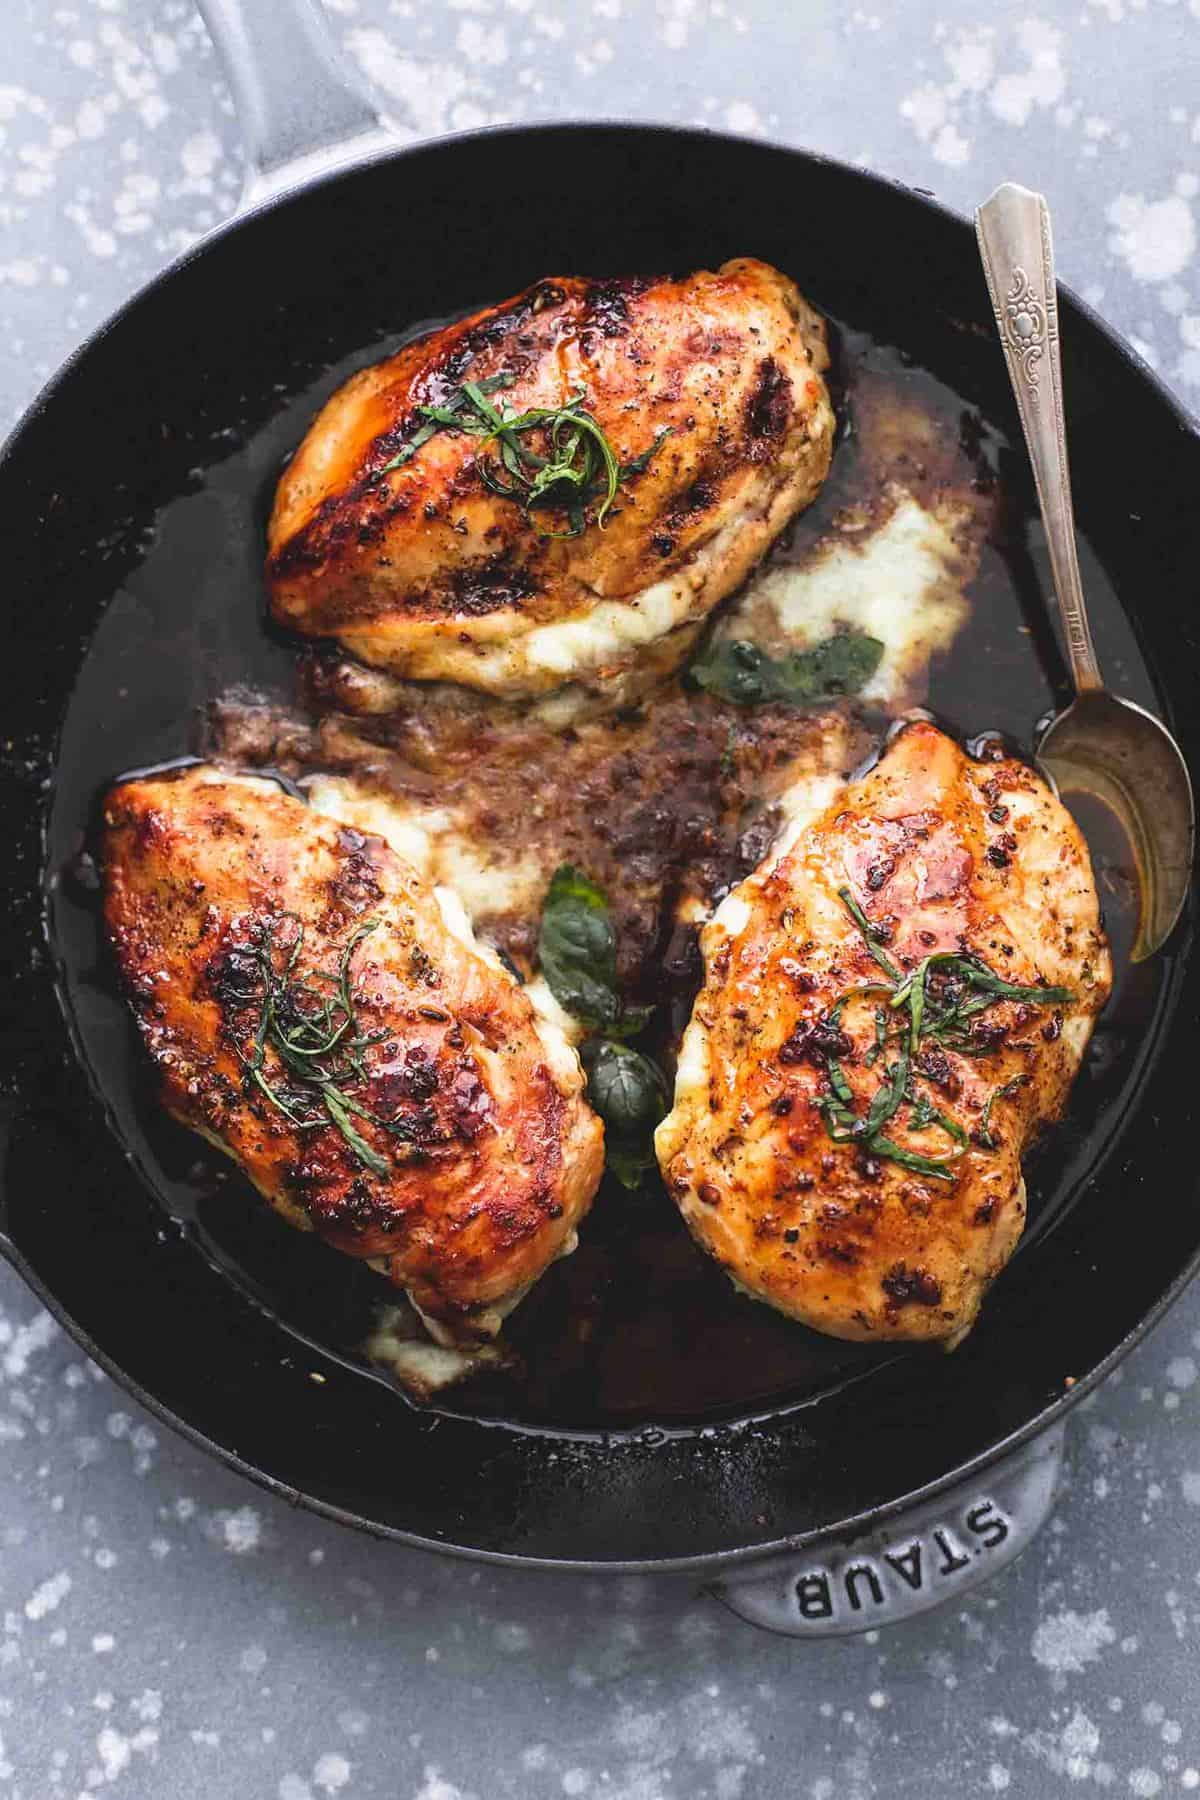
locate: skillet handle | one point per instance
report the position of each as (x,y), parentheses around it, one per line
(932,1554)
(301,106)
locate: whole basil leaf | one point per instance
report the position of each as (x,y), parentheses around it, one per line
(630,1094)
(625,1087)
(577,948)
(578,954)
(747,675)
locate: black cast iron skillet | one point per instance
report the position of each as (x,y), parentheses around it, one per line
(934,1467)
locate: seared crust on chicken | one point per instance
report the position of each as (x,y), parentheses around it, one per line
(424,571)
(800,1029)
(465,1155)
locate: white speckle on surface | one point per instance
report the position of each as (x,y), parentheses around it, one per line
(331,1772)
(200,155)
(103,1643)
(1155,239)
(926,108)
(50,1594)
(742,117)
(1181,1371)
(292,1787)
(238,1529)
(1066,1642)
(1079,1744)
(513,1637)
(1145,1783)
(998,1778)
(37,1334)
(430,94)
(114,1751)
(1040,83)
(482,45)
(971,59)
(950,147)
(434,1787)
(677,17)
(23,271)
(1189,1483)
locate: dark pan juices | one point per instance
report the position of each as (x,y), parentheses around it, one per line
(637,1328)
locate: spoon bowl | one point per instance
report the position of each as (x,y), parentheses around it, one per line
(1126,758)
(1100,745)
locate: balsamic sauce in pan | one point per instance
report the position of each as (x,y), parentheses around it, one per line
(637,1328)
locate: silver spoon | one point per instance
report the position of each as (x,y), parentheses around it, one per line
(1099,745)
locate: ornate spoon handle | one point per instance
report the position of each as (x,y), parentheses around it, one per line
(1013,229)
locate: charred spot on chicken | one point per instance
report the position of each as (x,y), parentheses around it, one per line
(548,491)
(859,1081)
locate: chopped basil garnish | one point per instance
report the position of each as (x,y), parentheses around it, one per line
(575,469)
(985,1135)
(942,997)
(310,1024)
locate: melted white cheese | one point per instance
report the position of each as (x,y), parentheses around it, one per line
(612,629)
(435,843)
(551,1014)
(804,800)
(556,1030)
(610,634)
(801,803)
(422,1368)
(901,583)
(466,885)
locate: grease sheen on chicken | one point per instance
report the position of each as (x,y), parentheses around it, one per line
(423,571)
(942,855)
(492,1156)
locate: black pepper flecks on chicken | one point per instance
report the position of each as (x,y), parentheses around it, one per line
(713,382)
(440,1133)
(801,1029)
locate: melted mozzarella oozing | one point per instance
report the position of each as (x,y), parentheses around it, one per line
(400,1345)
(549,1021)
(901,582)
(438,845)
(470,883)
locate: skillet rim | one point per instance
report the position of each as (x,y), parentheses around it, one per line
(853,1525)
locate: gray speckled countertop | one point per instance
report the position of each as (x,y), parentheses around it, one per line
(168,1631)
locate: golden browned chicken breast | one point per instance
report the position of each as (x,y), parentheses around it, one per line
(603,462)
(891,1009)
(313,1012)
